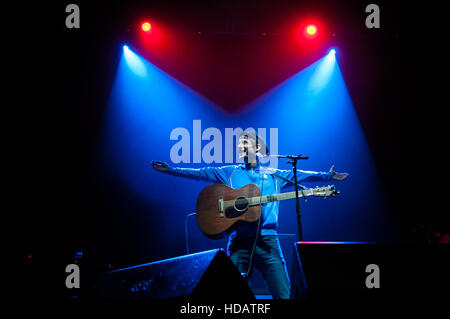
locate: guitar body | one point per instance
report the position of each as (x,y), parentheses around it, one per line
(214,218)
(220,206)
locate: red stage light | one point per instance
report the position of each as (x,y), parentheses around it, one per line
(146,26)
(311,29)
(310,33)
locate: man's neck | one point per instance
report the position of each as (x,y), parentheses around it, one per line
(250,165)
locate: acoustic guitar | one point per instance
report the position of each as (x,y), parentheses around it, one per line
(219,207)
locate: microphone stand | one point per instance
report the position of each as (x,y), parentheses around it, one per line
(293,160)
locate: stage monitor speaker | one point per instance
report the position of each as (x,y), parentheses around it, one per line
(362,269)
(207,275)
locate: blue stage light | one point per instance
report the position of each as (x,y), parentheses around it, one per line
(135,62)
(323,71)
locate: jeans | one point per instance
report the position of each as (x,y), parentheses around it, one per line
(267,258)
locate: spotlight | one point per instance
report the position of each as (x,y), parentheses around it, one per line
(332,52)
(134,62)
(146,26)
(311,29)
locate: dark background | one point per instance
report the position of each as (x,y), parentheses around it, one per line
(59,80)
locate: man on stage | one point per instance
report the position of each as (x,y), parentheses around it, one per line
(255,244)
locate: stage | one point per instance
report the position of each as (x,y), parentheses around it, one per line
(171,151)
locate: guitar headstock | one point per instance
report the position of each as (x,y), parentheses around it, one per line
(325,191)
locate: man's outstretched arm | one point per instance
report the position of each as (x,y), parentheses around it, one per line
(211,174)
(311,176)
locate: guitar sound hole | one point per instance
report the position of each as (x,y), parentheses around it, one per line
(240,207)
(241,204)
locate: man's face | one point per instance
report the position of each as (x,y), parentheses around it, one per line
(247,147)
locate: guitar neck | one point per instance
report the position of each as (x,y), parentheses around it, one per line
(252,201)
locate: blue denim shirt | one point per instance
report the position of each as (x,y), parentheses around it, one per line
(237,176)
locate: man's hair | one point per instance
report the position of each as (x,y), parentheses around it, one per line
(251,138)
(250,135)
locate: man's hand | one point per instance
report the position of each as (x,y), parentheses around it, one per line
(337,176)
(160,166)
